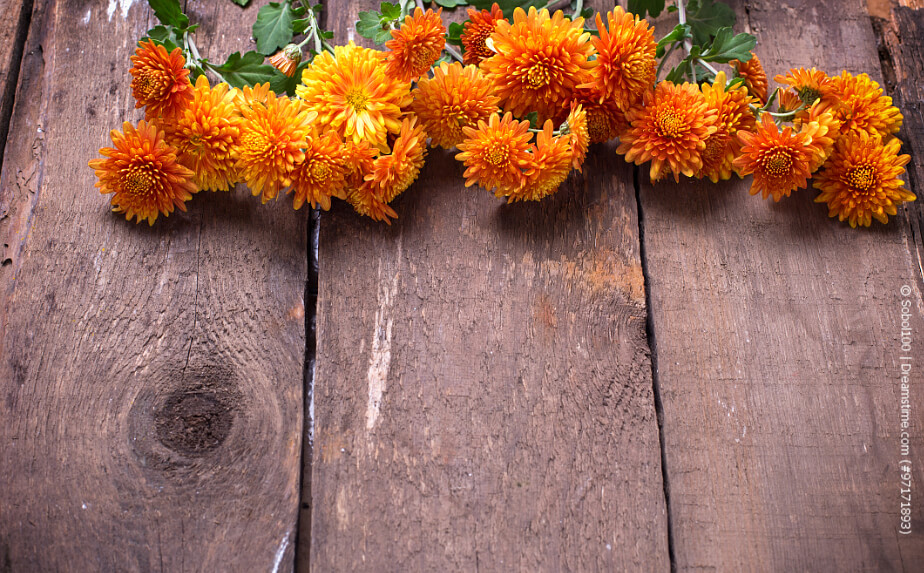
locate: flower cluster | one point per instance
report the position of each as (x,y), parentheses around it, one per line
(522,105)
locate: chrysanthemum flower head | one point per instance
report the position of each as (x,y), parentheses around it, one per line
(626,58)
(549,164)
(605,121)
(160,81)
(205,134)
(496,153)
(539,60)
(352,94)
(143,173)
(272,138)
(779,160)
(454,98)
(670,129)
(809,85)
(416,45)
(287,59)
(863,107)
(575,128)
(322,173)
(860,181)
(250,96)
(476,32)
(826,127)
(732,107)
(392,174)
(787,100)
(754,76)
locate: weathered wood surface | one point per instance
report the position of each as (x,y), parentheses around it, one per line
(150,378)
(776,342)
(13,27)
(483,395)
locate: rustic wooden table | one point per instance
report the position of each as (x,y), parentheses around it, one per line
(621,377)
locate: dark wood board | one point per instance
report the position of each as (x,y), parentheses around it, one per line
(483,396)
(776,341)
(150,378)
(13,29)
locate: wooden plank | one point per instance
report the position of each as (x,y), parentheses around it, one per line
(13,28)
(483,395)
(150,378)
(778,352)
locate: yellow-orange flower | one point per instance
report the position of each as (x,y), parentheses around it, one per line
(476,32)
(780,161)
(670,129)
(143,173)
(549,165)
(626,58)
(540,60)
(809,85)
(160,81)
(862,107)
(733,112)
(416,45)
(578,136)
(392,174)
(352,94)
(205,134)
(322,173)
(454,98)
(496,153)
(360,157)
(754,76)
(287,59)
(788,100)
(272,138)
(860,181)
(251,95)
(605,121)
(827,129)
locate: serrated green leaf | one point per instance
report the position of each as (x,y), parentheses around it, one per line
(640,7)
(299,26)
(706,18)
(167,36)
(727,46)
(507,6)
(246,70)
(678,34)
(451,3)
(241,3)
(169,12)
(369,24)
(390,11)
(325,34)
(284,85)
(454,33)
(273,28)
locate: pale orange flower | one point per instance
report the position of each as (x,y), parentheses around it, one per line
(322,173)
(862,106)
(779,161)
(287,59)
(549,165)
(416,45)
(454,98)
(160,81)
(626,58)
(496,153)
(810,85)
(754,76)
(733,113)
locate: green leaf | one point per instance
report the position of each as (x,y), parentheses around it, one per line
(451,3)
(284,85)
(726,47)
(390,11)
(299,26)
(167,36)
(374,26)
(706,18)
(508,5)
(640,7)
(241,3)
(273,28)
(169,12)
(246,70)
(678,34)
(454,33)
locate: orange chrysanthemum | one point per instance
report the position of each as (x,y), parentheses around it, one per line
(160,81)
(476,32)
(143,173)
(863,107)
(392,174)
(496,153)
(454,98)
(251,95)
(205,134)
(578,136)
(360,157)
(287,59)
(780,161)
(754,76)
(272,138)
(626,58)
(809,85)
(788,100)
(605,121)
(540,60)
(416,45)
(733,112)
(670,129)
(827,130)
(352,94)
(860,181)
(322,173)
(549,166)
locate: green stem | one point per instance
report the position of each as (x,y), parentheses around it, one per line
(453,52)
(578,8)
(664,60)
(687,44)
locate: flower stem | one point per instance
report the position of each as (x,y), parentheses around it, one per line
(453,52)
(664,60)
(578,8)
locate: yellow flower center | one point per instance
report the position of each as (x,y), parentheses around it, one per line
(497,154)
(422,58)
(635,67)
(255,143)
(861,178)
(139,181)
(715,149)
(319,170)
(538,75)
(670,124)
(357,99)
(150,84)
(778,163)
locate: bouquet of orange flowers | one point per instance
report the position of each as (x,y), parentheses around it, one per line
(521,93)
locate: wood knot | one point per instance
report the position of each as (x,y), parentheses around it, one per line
(194,422)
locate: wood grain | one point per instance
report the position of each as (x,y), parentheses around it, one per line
(483,396)
(777,349)
(13,28)
(150,378)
